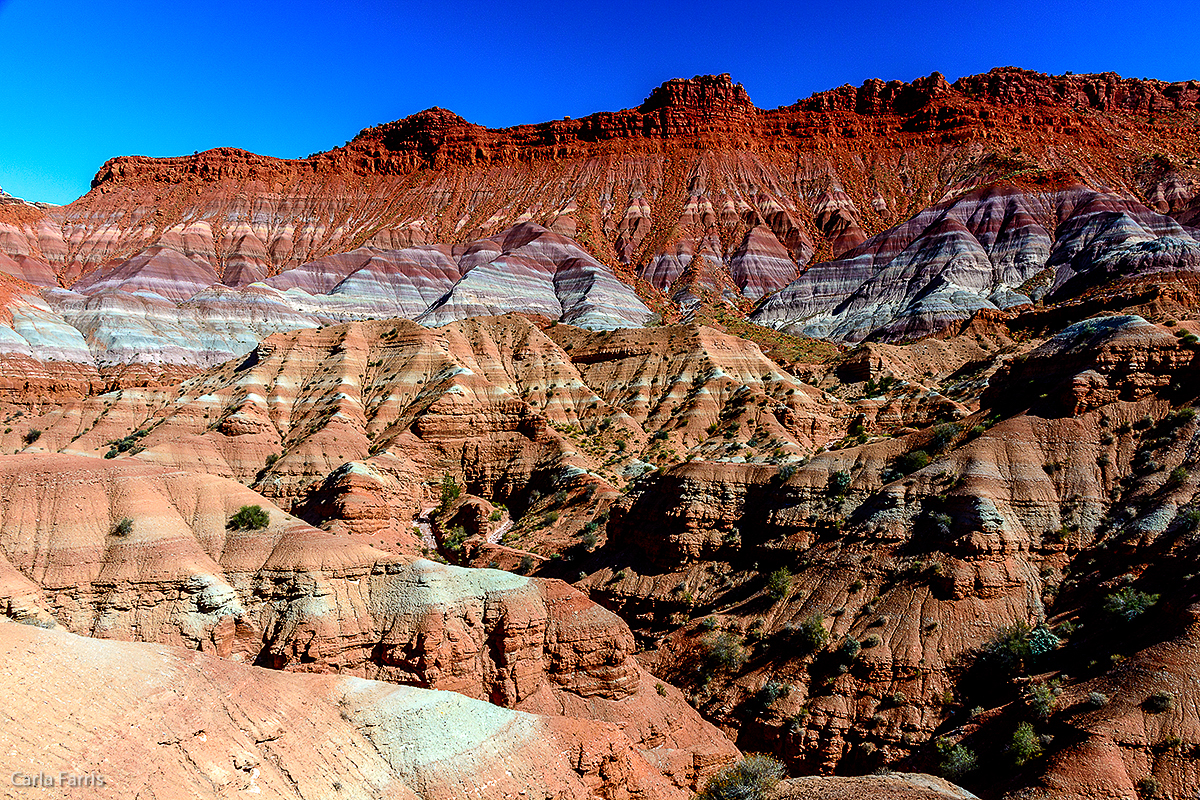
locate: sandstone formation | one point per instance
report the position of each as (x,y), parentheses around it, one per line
(348,423)
(957,535)
(899,576)
(133,552)
(695,198)
(1000,248)
(151,728)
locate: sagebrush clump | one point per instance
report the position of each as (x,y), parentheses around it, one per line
(252,517)
(752,778)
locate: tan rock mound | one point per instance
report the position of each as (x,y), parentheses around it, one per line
(142,722)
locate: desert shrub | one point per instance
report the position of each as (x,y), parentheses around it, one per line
(495,515)
(661,689)
(588,540)
(707,624)
(1148,786)
(810,635)
(849,649)
(450,491)
(721,652)
(838,483)
(1189,518)
(956,761)
(779,583)
(1177,478)
(454,538)
(911,462)
(941,523)
(526,565)
(1128,604)
(1007,650)
(760,703)
(856,586)
(871,641)
(252,517)
(123,528)
(1042,640)
(1024,745)
(1097,699)
(944,436)
(1159,702)
(796,721)
(752,778)
(31,436)
(271,459)
(1041,700)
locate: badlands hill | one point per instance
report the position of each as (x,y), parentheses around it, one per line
(860,432)
(885,211)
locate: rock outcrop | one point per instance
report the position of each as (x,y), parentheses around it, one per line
(996,249)
(895,566)
(134,552)
(143,723)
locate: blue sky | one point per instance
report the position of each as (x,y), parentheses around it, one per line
(84,81)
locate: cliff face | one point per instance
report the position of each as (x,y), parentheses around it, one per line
(697,151)
(696,199)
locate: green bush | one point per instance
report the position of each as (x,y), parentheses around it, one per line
(760,703)
(1097,699)
(450,491)
(752,778)
(1007,651)
(839,482)
(811,635)
(721,652)
(1025,745)
(31,436)
(1128,604)
(250,518)
(911,462)
(454,538)
(123,528)
(1177,478)
(944,436)
(1041,700)
(779,583)
(956,761)
(526,565)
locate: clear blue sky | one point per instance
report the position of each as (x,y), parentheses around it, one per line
(84,80)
